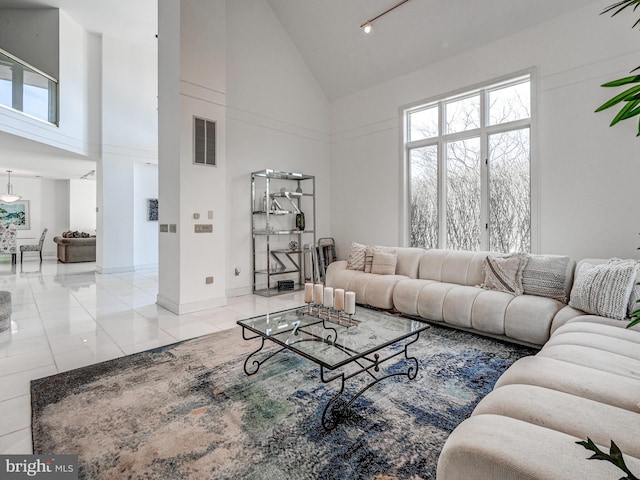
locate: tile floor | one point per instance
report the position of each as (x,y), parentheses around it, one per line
(67,316)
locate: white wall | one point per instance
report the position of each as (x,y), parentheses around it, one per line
(192,82)
(277,117)
(129,123)
(585,172)
(48,207)
(145,186)
(82,206)
(32,36)
(72,133)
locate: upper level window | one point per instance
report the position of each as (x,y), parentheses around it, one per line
(26,89)
(468,163)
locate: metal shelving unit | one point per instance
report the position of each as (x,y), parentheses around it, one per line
(282,252)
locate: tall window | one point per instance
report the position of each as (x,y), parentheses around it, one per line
(469,169)
(27,89)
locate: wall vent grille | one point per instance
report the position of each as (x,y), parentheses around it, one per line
(204,145)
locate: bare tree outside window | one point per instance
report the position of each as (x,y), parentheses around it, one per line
(501,129)
(424,196)
(463,194)
(509,192)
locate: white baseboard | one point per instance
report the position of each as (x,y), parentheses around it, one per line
(180,308)
(106,271)
(237,292)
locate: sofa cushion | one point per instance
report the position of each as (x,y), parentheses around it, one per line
(501,448)
(604,289)
(548,276)
(409,261)
(503,273)
(626,347)
(379,290)
(528,318)
(489,310)
(431,300)
(581,380)
(452,266)
(550,409)
(406,294)
(595,358)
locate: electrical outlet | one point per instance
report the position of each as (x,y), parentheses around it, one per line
(208,280)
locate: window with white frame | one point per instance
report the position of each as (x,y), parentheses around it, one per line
(469,169)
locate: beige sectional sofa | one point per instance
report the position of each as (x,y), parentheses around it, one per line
(584,382)
(444,286)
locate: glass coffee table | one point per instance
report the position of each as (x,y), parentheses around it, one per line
(341,351)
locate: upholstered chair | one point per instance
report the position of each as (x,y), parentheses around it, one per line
(8,242)
(34,247)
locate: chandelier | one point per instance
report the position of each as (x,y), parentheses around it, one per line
(9,197)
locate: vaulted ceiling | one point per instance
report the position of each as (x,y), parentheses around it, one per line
(416,34)
(328,36)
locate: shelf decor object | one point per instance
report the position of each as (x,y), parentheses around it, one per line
(281,233)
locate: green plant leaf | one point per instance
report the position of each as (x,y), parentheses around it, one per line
(634,323)
(615,457)
(626,95)
(622,81)
(624,112)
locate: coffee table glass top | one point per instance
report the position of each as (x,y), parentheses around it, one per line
(329,344)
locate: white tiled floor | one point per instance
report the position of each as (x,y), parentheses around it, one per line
(67,316)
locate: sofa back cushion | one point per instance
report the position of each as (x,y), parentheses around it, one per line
(408,263)
(453,266)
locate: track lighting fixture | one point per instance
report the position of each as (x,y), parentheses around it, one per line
(367,27)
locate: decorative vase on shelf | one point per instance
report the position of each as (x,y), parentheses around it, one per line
(300,221)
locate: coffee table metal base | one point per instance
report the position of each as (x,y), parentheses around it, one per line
(369,365)
(335,408)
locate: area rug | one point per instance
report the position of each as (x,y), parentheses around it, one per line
(188,411)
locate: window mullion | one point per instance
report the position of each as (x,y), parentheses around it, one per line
(442,175)
(484,172)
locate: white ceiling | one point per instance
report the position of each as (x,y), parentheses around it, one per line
(415,35)
(327,34)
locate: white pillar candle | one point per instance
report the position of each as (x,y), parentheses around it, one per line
(339,299)
(317,293)
(350,303)
(308,292)
(328,297)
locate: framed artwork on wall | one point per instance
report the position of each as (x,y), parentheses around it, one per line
(16,213)
(152,209)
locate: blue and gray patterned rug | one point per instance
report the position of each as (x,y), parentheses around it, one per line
(188,411)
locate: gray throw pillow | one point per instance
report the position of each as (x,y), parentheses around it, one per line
(604,289)
(546,276)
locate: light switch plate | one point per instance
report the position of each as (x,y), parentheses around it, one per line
(203,228)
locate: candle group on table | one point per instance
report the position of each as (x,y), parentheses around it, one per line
(337,298)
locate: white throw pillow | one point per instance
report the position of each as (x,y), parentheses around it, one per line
(384,262)
(604,289)
(504,273)
(355,261)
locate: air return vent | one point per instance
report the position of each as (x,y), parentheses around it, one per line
(204,132)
